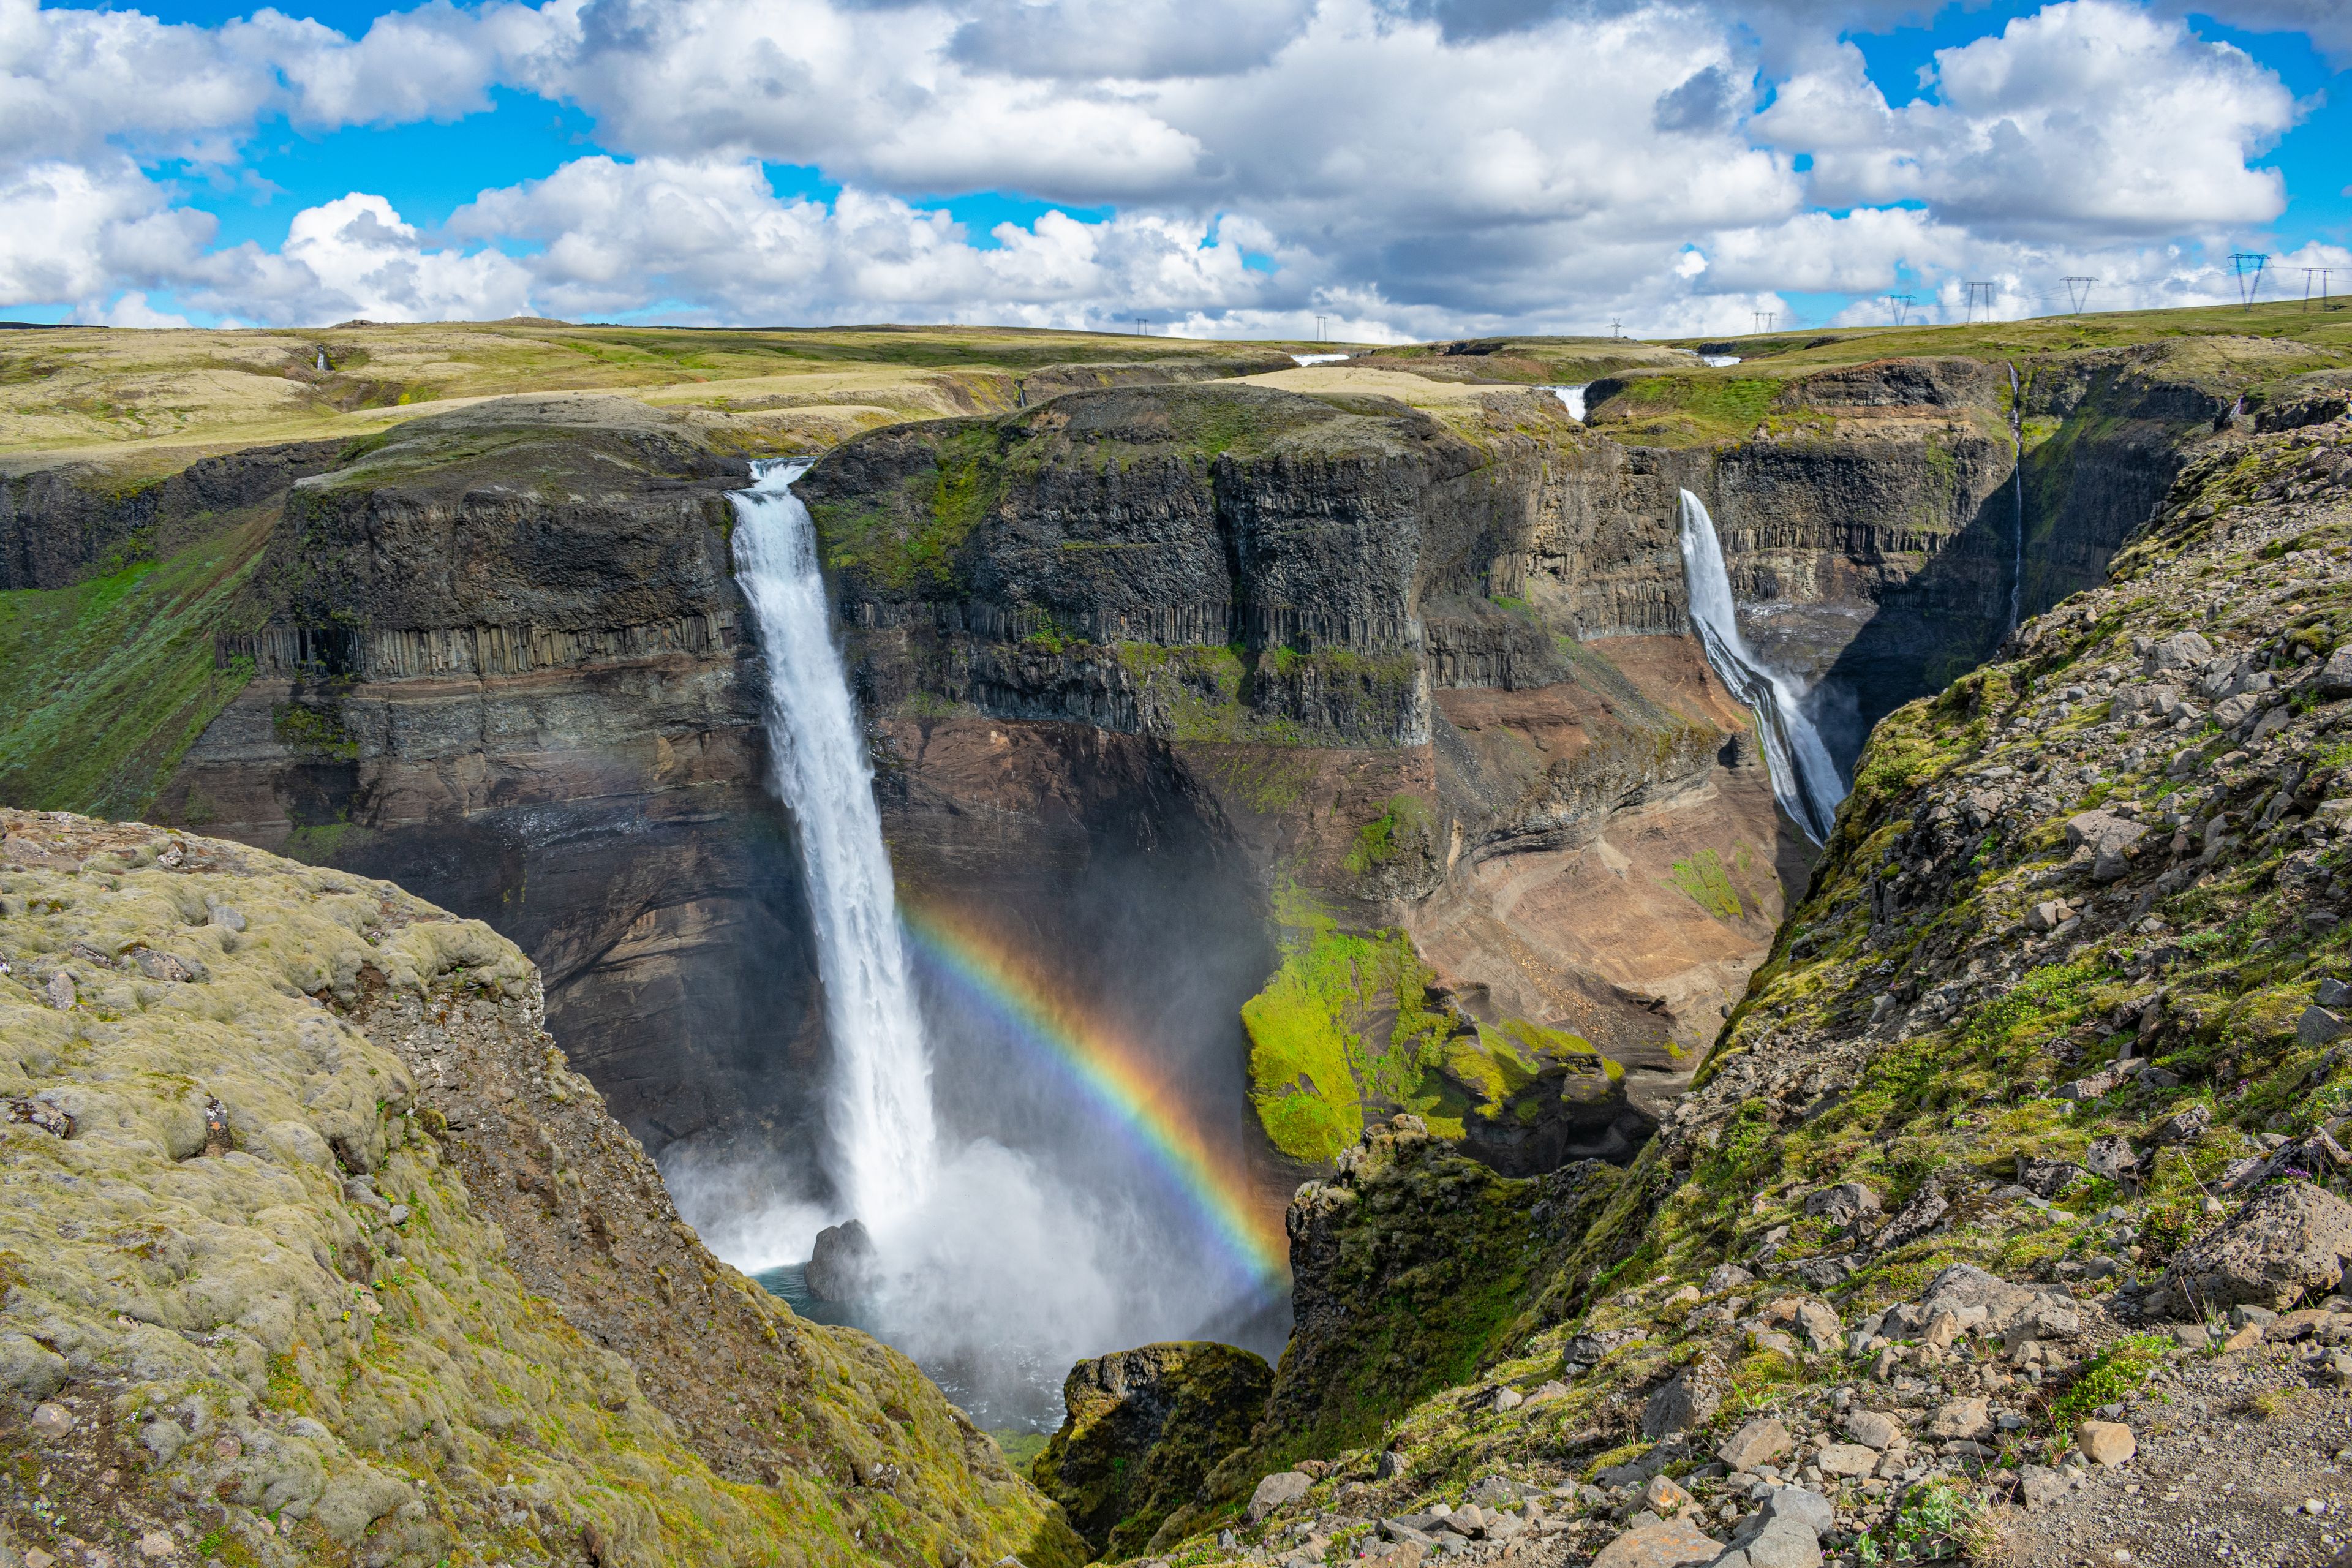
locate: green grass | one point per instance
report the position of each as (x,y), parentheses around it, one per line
(109,683)
(1709,886)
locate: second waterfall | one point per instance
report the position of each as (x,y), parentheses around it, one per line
(884,1141)
(1804,776)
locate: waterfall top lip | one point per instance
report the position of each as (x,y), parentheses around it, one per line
(765,469)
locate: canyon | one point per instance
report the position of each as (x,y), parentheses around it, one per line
(1338,735)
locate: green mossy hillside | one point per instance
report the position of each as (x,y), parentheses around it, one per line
(1350,1030)
(107,682)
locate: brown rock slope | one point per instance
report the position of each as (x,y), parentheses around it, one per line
(315,1250)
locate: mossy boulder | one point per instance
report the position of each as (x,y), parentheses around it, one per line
(1142,1428)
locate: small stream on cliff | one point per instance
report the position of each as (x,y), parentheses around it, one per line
(1020,1221)
(1804,776)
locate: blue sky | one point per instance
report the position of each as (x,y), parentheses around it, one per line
(1223,167)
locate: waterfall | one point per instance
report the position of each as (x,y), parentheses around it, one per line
(1804,779)
(884,1145)
(1574,397)
(1306,360)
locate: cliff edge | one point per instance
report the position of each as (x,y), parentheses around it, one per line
(314,1250)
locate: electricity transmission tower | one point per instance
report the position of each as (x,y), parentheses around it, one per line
(1762,320)
(2249,266)
(1616,328)
(1900,304)
(2322,272)
(2078,293)
(1974,289)
(1319,320)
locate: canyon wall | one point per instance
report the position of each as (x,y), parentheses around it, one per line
(1363,743)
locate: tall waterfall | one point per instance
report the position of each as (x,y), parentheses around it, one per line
(1572,398)
(1803,777)
(884,1143)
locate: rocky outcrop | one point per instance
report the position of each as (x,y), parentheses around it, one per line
(1141,1430)
(315,1247)
(63,521)
(1410,1267)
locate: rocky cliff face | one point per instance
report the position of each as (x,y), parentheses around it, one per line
(2042,1076)
(1371,653)
(500,659)
(316,1250)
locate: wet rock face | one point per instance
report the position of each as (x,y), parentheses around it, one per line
(1142,1430)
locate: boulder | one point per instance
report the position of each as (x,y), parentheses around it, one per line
(1760,1442)
(1689,1398)
(2110,838)
(2319,1026)
(1961,1418)
(2289,1239)
(29,1370)
(1664,1495)
(1847,1460)
(1809,1509)
(2112,1158)
(1140,1431)
(1676,1543)
(2335,675)
(2185,1126)
(1842,1204)
(1783,1543)
(1727,1277)
(841,1267)
(2181,650)
(1874,1427)
(1282,1487)
(2046,1178)
(2106,1442)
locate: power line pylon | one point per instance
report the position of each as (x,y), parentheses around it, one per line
(1974,289)
(2321,272)
(2078,293)
(2248,266)
(1900,304)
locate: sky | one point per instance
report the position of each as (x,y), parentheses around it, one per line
(1367,170)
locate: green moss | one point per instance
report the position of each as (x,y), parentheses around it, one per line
(1388,835)
(1709,886)
(1344,1023)
(318,729)
(109,683)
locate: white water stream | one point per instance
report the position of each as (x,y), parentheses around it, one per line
(885,1142)
(1804,778)
(1572,398)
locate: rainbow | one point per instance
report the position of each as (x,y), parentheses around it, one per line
(1112,1073)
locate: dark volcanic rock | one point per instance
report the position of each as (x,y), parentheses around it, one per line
(841,1267)
(1140,1431)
